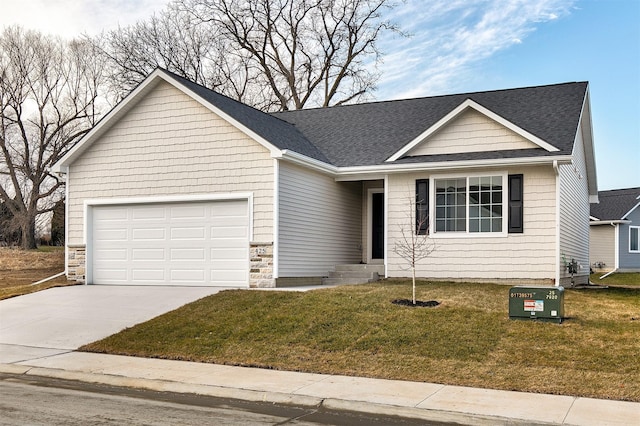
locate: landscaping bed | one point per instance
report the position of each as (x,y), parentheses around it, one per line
(467,340)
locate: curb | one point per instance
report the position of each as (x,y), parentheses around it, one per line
(305,401)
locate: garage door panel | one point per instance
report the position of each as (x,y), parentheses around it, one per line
(203,243)
(110,214)
(188,275)
(229,232)
(226,276)
(188,212)
(155,275)
(148,254)
(148,234)
(226,243)
(187,254)
(117,276)
(115,254)
(231,208)
(227,253)
(149,214)
(191,233)
(119,234)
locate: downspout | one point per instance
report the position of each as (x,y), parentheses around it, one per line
(386,226)
(66,220)
(616,238)
(556,168)
(276,217)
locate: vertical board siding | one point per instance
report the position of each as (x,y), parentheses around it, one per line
(526,256)
(319,222)
(602,249)
(168,145)
(471,131)
(574,214)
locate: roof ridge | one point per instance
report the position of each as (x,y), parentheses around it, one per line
(635,188)
(431,97)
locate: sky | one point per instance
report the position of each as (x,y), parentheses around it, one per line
(457,46)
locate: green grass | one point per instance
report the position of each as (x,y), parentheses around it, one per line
(356,330)
(618,279)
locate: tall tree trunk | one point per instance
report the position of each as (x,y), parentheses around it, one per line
(28,230)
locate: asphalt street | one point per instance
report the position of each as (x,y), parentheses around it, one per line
(46,401)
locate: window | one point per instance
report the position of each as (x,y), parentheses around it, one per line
(451,205)
(473,205)
(634,237)
(485,204)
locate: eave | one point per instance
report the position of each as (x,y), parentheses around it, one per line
(377,171)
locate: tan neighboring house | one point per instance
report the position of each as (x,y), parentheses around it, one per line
(180,185)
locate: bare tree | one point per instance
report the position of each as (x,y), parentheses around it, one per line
(306,52)
(48,99)
(168,40)
(414,244)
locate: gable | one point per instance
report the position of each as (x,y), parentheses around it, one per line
(165,129)
(471,131)
(466,106)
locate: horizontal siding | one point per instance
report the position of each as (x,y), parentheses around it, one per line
(574,215)
(319,222)
(629,260)
(471,132)
(602,240)
(526,256)
(169,145)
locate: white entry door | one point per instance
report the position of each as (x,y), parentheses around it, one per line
(190,244)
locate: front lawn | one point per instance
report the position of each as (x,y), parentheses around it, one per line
(355,330)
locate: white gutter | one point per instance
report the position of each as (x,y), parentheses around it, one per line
(358,172)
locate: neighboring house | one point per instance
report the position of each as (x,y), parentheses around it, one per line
(614,243)
(180,185)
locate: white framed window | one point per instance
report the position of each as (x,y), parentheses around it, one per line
(634,237)
(469,205)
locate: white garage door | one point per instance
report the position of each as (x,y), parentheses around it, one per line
(192,244)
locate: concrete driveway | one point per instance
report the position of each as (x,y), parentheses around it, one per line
(62,319)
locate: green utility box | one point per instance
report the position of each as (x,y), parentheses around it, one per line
(540,303)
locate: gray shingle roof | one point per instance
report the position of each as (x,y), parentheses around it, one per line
(368,134)
(278,132)
(615,204)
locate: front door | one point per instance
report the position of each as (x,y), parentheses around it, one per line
(377,225)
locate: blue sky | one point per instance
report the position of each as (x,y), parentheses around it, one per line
(462,46)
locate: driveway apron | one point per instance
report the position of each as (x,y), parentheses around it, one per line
(65,318)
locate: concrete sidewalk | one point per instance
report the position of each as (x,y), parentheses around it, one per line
(391,397)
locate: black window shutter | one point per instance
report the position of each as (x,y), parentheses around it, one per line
(422,206)
(516,225)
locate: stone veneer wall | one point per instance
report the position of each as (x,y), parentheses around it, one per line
(261,272)
(77,267)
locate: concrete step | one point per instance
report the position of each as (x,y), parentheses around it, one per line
(361,267)
(346,281)
(355,274)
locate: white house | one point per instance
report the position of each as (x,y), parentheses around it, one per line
(180,185)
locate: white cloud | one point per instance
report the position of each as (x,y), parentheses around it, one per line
(69,18)
(449,37)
